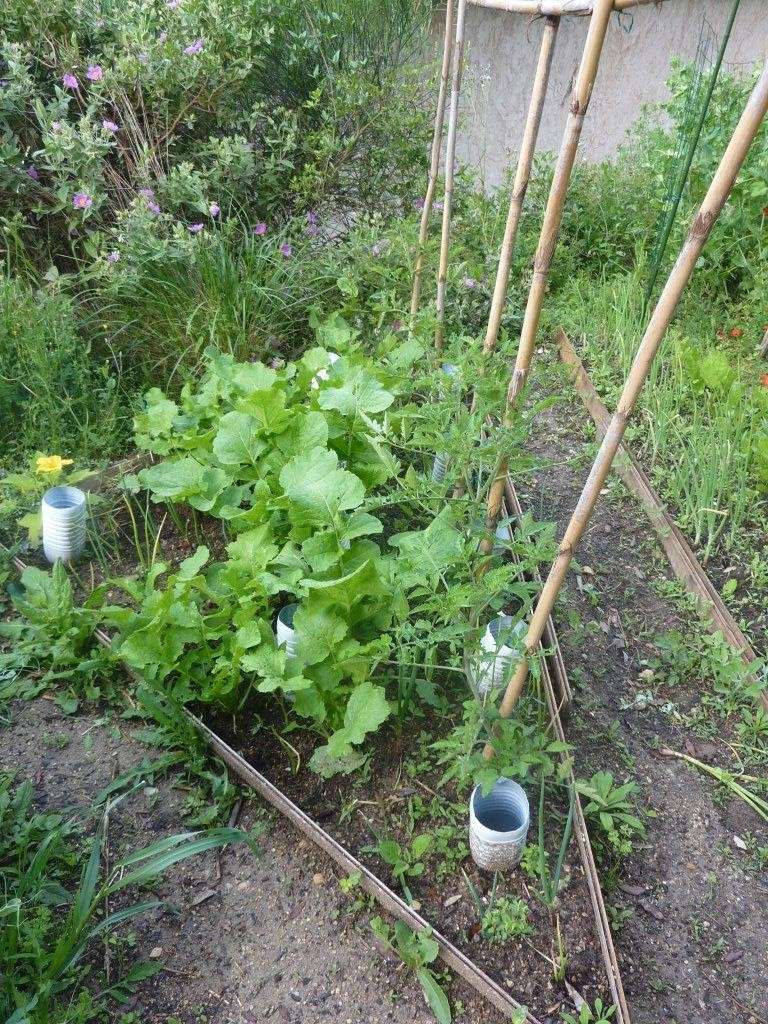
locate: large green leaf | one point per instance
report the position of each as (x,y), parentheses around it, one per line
(306,430)
(174,479)
(319,631)
(317,489)
(359,394)
(237,441)
(429,552)
(435,996)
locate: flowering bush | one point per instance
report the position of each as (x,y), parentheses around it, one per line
(183,111)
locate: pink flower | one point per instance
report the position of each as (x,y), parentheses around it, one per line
(114,256)
(109,126)
(195,228)
(214,209)
(94,73)
(33,173)
(69,81)
(286,249)
(194,48)
(260,229)
(82,201)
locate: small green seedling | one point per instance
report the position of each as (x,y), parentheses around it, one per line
(598,1014)
(406,862)
(417,950)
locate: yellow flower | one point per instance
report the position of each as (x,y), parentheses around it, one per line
(51,463)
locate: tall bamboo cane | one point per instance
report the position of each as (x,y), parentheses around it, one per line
(719,190)
(522,178)
(550,230)
(434,165)
(450,166)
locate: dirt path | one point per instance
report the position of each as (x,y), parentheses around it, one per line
(694,947)
(272,939)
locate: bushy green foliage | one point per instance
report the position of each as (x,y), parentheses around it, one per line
(737,244)
(54,395)
(506,919)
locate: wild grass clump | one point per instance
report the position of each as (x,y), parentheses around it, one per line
(247,294)
(54,395)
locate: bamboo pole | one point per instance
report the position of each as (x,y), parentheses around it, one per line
(556,8)
(522,178)
(450,167)
(715,199)
(434,165)
(550,230)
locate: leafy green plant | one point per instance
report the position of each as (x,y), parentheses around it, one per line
(610,812)
(53,635)
(599,1013)
(506,918)
(417,950)
(405,862)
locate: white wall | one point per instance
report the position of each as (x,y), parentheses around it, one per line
(501,55)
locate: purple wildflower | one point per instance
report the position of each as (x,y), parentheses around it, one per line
(312,228)
(214,209)
(418,204)
(195,228)
(194,48)
(82,201)
(312,217)
(148,193)
(33,173)
(286,249)
(438,206)
(173,4)
(55,126)
(69,80)
(114,256)
(396,325)
(109,126)
(142,57)
(260,228)
(95,73)
(469,282)
(162,37)
(153,207)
